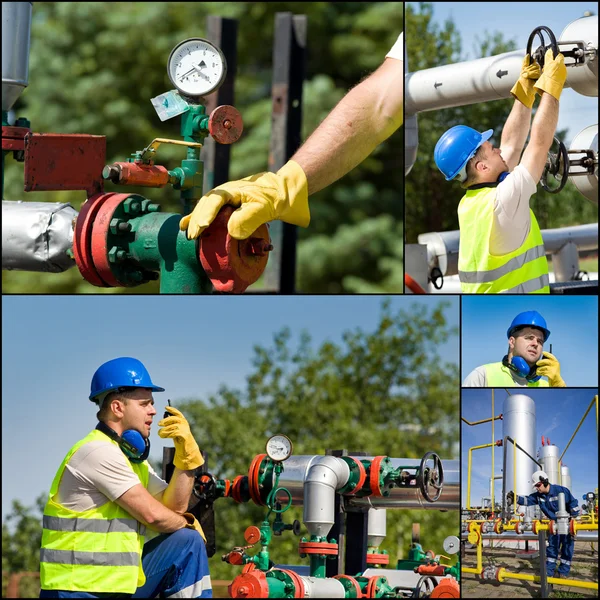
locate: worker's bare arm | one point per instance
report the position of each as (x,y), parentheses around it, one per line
(367,115)
(514,134)
(177,495)
(542,135)
(141,505)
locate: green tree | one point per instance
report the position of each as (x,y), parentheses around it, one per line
(431,201)
(94,66)
(21,540)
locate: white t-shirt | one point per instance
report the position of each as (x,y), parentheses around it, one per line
(98,473)
(397,50)
(478,378)
(511,212)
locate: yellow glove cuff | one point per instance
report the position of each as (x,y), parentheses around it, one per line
(188,461)
(296,193)
(193,523)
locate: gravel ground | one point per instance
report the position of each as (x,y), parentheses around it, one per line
(584,568)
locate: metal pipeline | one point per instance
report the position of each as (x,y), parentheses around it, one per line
(297,467)
(442,247)
(321,587)
(376,527)
(37,236)
(583,536)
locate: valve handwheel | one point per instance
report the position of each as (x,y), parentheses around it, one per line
(428,584)
(431,477)
(205,487)
(557,165)
(541,51)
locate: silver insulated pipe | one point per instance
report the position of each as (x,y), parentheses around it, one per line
(16,30)
(296,470)
(321,587)
(376,527)
(37,236)
(492,77)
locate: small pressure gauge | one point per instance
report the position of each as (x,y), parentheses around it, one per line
(451,544)
(196,67)
(279,447)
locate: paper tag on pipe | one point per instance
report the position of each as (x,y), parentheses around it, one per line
(169,105)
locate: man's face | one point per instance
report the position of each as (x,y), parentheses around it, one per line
(541,488)
(139,411)
(527,343)
(494,163)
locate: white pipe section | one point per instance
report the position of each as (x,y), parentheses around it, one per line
(37,236)
(321,587)
(442,247)
(324,477)
(296,470)
(376,527)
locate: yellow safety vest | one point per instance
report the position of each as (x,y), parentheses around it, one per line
(523,271)
(497,375)
(97,550)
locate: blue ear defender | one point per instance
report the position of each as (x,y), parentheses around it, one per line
(132,443)
(519,366)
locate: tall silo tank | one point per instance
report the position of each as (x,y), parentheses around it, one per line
(548,456)
(518,422)
(565,475)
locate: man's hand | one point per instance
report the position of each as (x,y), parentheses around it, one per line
(549,367)
(510,497)
(554,75)
(193,524)
(523,90)
(259,199)
(187,453)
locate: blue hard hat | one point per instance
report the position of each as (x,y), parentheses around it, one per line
(123,372)
(454,149)
(529,318)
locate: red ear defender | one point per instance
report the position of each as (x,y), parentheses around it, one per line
(232,265)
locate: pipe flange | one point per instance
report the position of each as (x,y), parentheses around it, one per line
(552,529)
(253,483)
(355,466)
(236,489)
(350,585)
(82,239)
(446,588)
(573,527)
(519,528)
(378,559)
(323,548)
(225,124)
(373,586)
(498,526)
(233,265)
(289,577)
(375,476)
(252,583)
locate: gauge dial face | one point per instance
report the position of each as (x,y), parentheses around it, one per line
(279,447)
(196,67)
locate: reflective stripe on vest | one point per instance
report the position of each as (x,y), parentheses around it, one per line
(524,270)
(497,375)
(97,550)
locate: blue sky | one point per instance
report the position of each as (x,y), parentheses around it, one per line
(572,321)
(516,21)
(191,346)
(558,412)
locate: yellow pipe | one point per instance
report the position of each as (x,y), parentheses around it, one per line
(515,476)
(469,473)
(586,526)
(480,422)
(595,400)
(553,580)
(493,440)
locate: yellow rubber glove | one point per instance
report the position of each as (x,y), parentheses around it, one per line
(259,199)
(194,524)
(549,367)
(187,454)
(523,90)
(554,75)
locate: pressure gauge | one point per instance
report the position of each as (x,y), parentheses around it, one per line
(196,67)
(451,544)
(279,447)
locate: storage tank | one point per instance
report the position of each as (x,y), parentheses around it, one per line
(548,456)
(565,477)
(518,422)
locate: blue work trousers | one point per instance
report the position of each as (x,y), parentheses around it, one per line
(175,565)
(563,544)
